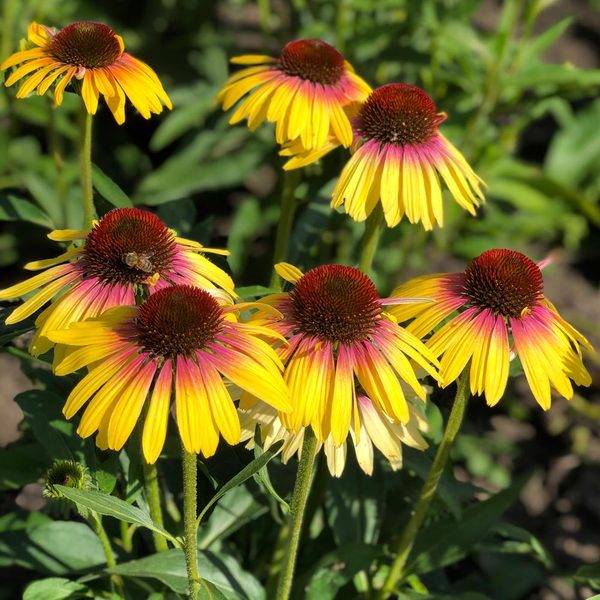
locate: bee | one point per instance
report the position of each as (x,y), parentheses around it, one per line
(139,261)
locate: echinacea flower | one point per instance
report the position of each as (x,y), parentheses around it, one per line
(94,55)
(306,91)
(178,343)
(127,250)
(399,155)
(341,339)
(374,427)
(502,310)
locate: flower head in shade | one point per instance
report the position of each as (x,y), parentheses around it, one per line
(399,156)
(340,340)
(373,428)
(306,91)
(178,343)
(94,55)
(502,309)
(127,251)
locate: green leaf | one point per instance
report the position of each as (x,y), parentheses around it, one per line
(55,548)
(10,332)
(108,189)
(541,42)
(255,291)
(573,153)
(336,569)
(354,506)
(54,588)
(263,479)
(21,464)
(236,509)
(105,504)
(220,570)
(588,575)
(186,116)
(209,591)
(247,472)
(442,544)
(13,208)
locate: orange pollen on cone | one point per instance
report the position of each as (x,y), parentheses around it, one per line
(312,60)
(398,114)
(178,320)
(128,245)
(336,304)
(85,44)
(503,281)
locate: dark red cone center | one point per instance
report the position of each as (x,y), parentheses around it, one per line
(128,245)
(398,114)
(503,281)
(312,60)
(335,303)
(178,320)
(85,44)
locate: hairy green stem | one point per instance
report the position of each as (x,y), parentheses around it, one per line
(190,477)
(296,516)
(153,498)
(94,520)
(286,219)
(370,239)
(85,156)
(407,539)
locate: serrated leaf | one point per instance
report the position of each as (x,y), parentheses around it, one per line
(110,506)
(108,189)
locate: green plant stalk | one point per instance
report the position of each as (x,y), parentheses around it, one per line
(370,239)
(94,520)
(296,516)
(153,498)
(264,15)
(85,156)
(8,21)
(286,219)
(407,539)
(190,478)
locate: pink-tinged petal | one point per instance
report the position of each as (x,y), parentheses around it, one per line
(107,396)
(96,378)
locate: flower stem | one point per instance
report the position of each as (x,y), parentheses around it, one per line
(190,473)
(153,499)
(286,219)
(85,156)
(370,239)
(301,490)
(407,539)
(96,524)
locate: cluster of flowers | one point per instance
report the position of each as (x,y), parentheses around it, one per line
(160,328)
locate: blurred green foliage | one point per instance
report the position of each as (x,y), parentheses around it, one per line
(220,185)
